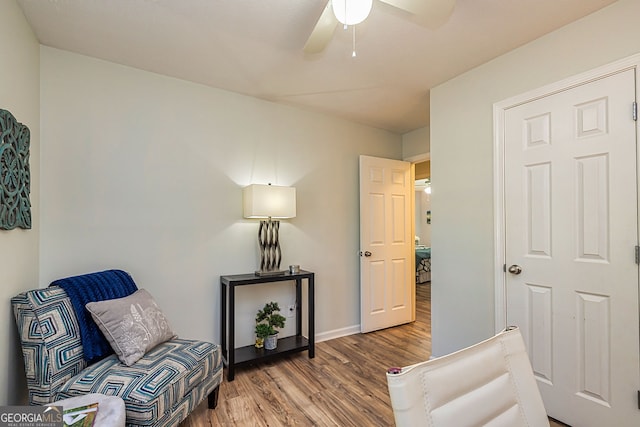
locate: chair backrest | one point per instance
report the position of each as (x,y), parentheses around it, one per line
(50,338)
(488,384)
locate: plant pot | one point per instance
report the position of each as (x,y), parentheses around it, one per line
(271,342)
(259,342)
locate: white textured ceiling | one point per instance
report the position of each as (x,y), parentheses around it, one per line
(254,47)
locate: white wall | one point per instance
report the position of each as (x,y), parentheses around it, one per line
(423,204)
(415,146)
(19,94)
(462,161)
(416,143)
(144,172)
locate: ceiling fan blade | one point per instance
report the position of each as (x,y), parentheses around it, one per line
(428,13)
(322,32)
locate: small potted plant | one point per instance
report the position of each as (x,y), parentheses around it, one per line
(262,331)
(268,321)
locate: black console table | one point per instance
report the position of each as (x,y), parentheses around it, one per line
(244,355)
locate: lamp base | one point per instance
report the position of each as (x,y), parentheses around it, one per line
(270,272)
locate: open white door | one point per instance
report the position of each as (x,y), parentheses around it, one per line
(387,260)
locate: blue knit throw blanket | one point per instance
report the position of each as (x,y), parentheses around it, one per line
(100,286)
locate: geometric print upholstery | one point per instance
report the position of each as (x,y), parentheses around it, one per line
(50,338)
(170,379)
(160,389)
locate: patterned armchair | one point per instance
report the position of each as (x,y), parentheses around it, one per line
(161,389)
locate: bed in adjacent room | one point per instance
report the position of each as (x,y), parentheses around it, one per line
(423,264)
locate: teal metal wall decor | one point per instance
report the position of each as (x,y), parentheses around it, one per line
(15,176)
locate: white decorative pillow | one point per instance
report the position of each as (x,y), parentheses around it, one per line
(133,325)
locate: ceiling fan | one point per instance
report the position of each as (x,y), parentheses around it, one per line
(428,13)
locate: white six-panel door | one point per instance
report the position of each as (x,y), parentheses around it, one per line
(387,256)
(571,227)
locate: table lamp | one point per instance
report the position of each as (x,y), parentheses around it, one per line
(273,203)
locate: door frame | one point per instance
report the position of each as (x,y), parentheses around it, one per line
(499,108)
(413,160)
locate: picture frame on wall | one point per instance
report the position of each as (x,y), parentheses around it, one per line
(15,175)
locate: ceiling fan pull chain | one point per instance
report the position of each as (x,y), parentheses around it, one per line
(345,15)
(353,54)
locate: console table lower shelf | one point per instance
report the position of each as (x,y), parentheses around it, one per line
(233,356)
(288,345)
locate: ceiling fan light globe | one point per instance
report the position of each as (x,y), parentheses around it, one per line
(351,12)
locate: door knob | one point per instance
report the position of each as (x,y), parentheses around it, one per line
(367,253)
(515,269)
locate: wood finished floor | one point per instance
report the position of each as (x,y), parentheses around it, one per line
(344,385)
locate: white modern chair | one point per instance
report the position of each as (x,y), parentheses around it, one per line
(488,384)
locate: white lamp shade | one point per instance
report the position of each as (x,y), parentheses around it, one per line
(351,12)
(264,201)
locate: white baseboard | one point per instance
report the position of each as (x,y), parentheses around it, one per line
(337,333)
